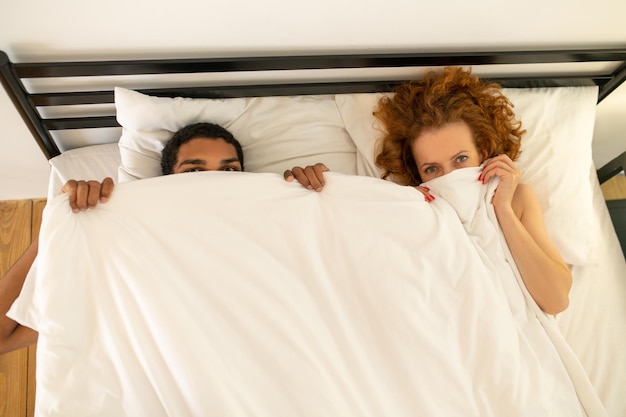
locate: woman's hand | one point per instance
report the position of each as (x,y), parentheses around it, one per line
(310,177)
(87,194)
(503,167)
(426,191)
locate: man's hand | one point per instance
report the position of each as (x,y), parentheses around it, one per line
(87,194)
(310,177)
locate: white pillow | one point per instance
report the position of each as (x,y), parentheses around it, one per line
(94,162)
(276,133)
(556,157)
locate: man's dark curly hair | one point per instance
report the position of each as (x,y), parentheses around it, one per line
(194,131)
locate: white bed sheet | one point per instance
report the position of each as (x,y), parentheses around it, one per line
(282,302)
(594,324)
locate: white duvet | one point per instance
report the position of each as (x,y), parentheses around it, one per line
(238,294)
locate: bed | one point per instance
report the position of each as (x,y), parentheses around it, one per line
(95,119)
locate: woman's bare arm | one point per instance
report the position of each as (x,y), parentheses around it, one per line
(545,274)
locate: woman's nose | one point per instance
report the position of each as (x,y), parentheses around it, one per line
(447,170)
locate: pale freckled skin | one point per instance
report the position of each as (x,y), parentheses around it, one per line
(440,151)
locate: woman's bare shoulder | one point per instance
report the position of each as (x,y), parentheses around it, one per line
(524,199)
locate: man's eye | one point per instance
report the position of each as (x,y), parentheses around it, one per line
(229,169)
(193,170)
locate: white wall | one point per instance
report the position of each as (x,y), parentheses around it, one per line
(609,136)
(117,29)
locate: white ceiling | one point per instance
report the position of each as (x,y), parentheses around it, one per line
(118,29)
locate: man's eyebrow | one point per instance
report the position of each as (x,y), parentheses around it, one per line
(203,162)
(191,162)
(229,160)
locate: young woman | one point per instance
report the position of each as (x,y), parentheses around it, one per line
(451,120)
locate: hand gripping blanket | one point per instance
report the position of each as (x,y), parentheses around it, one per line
(239,294)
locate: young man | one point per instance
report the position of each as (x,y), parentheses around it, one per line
(197,147)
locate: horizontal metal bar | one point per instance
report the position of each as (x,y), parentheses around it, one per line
(74,98)
(91,122)
(107,97)
(268,63)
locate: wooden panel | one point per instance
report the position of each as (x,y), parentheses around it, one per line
(15,231)
(614,188)
(13,383)
(30,380)
(15,236)
(37,211)
(38,205)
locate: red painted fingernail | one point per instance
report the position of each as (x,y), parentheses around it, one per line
(426,188)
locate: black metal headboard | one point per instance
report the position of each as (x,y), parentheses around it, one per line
(612,168)
(28,103)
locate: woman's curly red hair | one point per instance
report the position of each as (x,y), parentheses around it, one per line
(452,95)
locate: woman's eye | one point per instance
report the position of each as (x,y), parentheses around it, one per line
(430,170)
(461,158)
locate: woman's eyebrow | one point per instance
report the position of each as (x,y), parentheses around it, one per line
(456,155)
